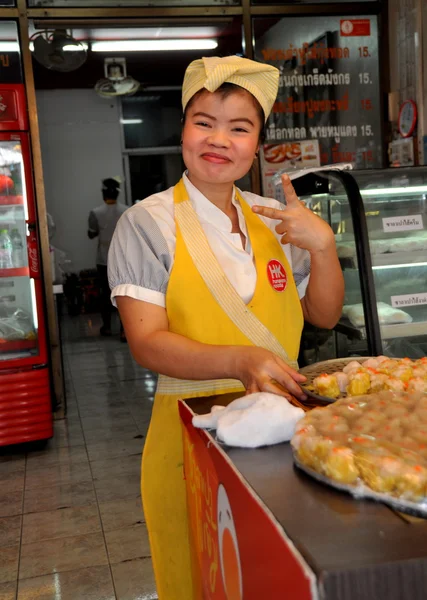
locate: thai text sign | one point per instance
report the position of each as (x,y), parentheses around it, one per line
(328,88)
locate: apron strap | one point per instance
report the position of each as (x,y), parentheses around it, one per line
(191,387)
(216,280)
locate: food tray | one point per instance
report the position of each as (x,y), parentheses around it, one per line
(361,491)
(326,366)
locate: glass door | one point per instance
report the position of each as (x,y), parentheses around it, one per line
(19,311)
(395,202)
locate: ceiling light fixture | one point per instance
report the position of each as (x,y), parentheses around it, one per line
(152,45)
(131,121)
(75,47)
(67,48)
(9,47)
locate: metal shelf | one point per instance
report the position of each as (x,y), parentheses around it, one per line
(399,258)
(403,330)
(393,259)
(398,330)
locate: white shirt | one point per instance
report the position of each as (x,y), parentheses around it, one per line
(142,250)
(102,221)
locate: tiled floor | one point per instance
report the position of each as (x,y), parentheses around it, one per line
(71,522)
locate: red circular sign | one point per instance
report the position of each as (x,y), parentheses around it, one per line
(277,275)
(407,118)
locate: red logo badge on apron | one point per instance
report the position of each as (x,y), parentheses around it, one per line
(277,275)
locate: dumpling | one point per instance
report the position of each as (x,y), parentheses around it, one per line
(378,381)
(403,372)
(360,383)
(371,362)
(417,384)
(395,385)
(326,385)
(352,366)
(342,380)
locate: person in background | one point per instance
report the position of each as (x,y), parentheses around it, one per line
(102,223)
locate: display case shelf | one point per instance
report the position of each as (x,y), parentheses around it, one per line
(399,259)
(388,332)
(403,330)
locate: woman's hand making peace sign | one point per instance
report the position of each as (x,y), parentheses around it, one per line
(298,225)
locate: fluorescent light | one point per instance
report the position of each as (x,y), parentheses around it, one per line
(417,189)
(400,266)
(152,45)
(74,47)
(9,47)
(34,304)
(131,121)
(68,48)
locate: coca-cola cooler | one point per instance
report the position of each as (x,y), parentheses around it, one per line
(25,388)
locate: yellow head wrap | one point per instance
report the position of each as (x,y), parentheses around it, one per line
(261,80)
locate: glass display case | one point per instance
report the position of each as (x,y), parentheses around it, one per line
(379,218)
(395,203)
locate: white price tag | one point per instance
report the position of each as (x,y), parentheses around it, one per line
(409,300)
(392,224)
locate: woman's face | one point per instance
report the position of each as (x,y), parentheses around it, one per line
(220,137)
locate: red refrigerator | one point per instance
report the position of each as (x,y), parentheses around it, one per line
(25,389)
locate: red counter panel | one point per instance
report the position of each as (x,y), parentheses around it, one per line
(25,407)
(239,550)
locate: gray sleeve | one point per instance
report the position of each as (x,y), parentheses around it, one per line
(138,259)
(300,269)
(93,222)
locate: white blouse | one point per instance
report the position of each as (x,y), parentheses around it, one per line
(142,250)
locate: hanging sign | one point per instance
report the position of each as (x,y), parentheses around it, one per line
(329,90)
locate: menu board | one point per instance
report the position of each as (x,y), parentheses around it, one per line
(329,92)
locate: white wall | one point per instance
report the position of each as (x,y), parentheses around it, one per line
(80,141)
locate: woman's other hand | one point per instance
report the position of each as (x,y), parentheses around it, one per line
(156,348)
(260,371)
(298,225)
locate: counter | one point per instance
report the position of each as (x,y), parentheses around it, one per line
(261,529)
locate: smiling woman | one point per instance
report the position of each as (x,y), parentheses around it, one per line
(218,142)
(212,284)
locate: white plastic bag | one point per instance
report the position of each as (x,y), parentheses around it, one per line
(260,419)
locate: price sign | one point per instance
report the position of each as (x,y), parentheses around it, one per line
(328,86)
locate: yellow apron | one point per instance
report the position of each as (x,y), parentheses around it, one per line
(196,310)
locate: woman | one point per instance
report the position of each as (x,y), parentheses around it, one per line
(212,285)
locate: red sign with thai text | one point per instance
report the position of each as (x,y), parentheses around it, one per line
(238,550)
(355,27)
